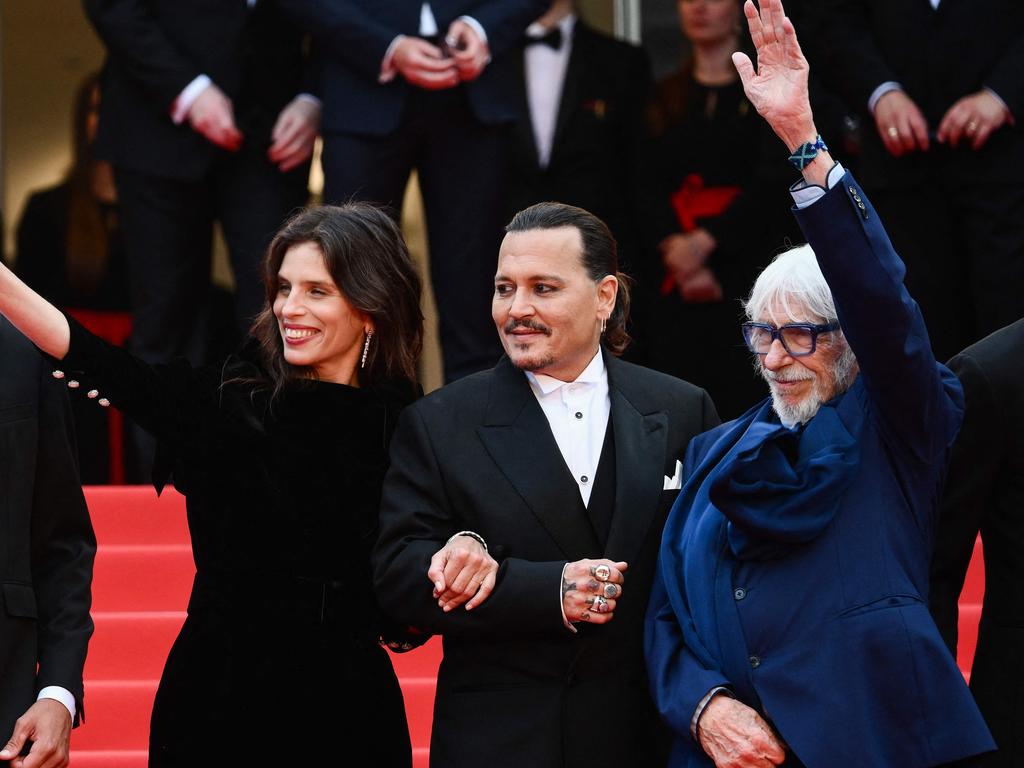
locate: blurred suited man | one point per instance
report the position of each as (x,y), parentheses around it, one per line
(46,559)
(985,493)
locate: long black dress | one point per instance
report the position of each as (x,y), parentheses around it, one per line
(279,656)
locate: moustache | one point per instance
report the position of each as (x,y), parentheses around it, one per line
(530,325)
(782,377)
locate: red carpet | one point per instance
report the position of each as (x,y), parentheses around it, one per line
(143,575)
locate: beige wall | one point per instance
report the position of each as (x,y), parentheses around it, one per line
(48,47)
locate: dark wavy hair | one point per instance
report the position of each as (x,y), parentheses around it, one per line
(600,257)
(367,258)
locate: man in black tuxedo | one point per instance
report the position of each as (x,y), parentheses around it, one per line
(431,86)
(581,126)
(985,492)
(205,119)
(45,560)
(562,460)
(939,86)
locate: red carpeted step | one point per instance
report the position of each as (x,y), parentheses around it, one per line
(110,758)
(131,645)
(418,693)
(142,577)
(134,514)
(117,715)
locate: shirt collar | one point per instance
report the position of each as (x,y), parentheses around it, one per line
(592,374)
(566,25)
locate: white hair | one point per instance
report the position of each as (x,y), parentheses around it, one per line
(793,282)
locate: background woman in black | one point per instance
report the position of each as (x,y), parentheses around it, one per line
(280,452)
(711,173)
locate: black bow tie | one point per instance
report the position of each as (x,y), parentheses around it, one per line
(553,39)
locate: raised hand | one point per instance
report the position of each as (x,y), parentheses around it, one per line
(778,89)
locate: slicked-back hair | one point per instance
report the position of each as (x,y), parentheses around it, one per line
(366,256)
(600,257)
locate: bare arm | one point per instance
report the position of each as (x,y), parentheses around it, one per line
(40,321)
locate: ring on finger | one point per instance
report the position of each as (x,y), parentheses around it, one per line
(892,131)
(601,572)
(610,590)
(600,604)
(972,127)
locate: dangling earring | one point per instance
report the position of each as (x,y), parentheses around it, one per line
(366,348)
(604,324)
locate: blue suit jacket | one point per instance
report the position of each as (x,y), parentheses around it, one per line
(353,39)
(831,639)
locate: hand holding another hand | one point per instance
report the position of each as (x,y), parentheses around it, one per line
(462,572)
(973,118)
(469,51)
(900,123)
(424,65)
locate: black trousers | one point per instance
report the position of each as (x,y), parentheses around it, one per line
(964,251)
(462,167)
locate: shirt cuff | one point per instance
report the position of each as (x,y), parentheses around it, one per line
(702,705)
(805,194)
(561,603)
(388,70)
(63,695)
(880,91)
(997,97)
(185,100)
(477,27)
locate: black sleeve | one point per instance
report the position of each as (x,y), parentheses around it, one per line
(416,519)
(63,547)
(172,402)
(968,494)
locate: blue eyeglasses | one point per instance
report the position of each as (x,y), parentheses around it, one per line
(798,339)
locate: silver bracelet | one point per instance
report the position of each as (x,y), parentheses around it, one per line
(471,535)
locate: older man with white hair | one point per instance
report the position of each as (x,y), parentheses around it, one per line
(788,623)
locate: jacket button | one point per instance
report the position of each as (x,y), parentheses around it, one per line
(755,662)
(739,593)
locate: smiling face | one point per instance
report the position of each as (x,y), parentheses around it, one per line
(799,385)
(708,22)
(546,307)
(318,326)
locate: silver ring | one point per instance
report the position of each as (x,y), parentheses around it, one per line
(972,127)
(610,590)
(602,572)
(892,131)
(600,604)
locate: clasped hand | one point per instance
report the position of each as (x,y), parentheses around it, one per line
(425,65)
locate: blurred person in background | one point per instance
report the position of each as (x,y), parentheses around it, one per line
(71,251)
(939,88)
(713,212)
(984,494)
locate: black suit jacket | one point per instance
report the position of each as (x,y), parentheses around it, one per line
(354,37)
(594,160)
(516,688)
(985,492)
(157,47)
(47,548)
(938,56)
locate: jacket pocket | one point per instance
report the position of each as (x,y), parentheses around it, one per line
(20,600)
(889,601)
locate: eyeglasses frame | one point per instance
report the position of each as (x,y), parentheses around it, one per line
(815,329)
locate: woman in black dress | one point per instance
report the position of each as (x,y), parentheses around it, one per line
(712,172)
(280,452)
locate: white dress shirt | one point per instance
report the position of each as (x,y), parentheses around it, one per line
(577,412)
(545,70)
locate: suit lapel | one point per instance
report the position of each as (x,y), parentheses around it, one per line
(640,444)
(518,438)
(523,129)
(571,88)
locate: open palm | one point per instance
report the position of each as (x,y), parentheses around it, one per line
(778,89)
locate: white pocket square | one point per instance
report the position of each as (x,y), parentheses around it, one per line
(675,482)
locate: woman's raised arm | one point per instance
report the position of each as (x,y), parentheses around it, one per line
(40,321)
